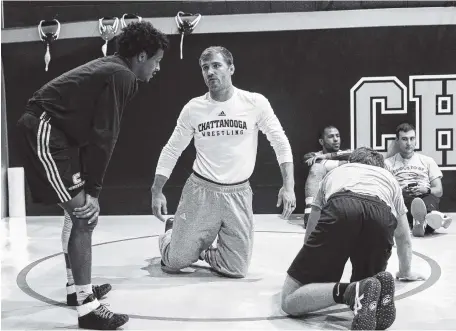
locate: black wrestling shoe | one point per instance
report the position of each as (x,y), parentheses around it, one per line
(98,290)
(386,309)
(101,318)
(362,297)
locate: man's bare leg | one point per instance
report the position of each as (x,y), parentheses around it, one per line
(79,248)
(91,314)
(361,297)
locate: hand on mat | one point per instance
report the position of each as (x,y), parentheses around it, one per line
(288,198)
(91,209)
(159,205)
(409,277)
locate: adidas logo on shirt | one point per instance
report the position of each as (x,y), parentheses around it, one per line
(222,113)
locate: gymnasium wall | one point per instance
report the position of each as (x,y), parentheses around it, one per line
(4,151)
(29,13)
(307,75)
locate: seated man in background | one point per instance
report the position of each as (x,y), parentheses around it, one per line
(321,163)
(358,210)
(421,182)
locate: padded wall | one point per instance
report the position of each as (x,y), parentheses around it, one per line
(306,75)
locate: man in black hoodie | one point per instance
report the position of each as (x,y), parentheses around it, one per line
(67,135)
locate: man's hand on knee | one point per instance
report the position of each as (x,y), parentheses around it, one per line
(90,210)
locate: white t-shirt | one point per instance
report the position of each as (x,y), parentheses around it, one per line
(226,136)
(362,179)
(419,169)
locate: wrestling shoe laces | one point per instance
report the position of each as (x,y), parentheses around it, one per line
(104,312)
(358,305)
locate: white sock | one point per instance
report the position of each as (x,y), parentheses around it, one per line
(66,231)
(70,277)
(71,289)
(87,308)
(82,292)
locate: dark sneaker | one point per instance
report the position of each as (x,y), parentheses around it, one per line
(362,297)
(101,318)
(98,290)
(386,310)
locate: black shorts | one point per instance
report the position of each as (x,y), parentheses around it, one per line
(53,169)
(351,225)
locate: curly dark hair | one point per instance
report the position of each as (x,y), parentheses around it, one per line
(141,36)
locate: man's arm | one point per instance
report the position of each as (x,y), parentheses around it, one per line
(269,124)
(339,156)
(342,156)
(402,235)
(329,160)
(435,181)
(404,251)
(308,156)
(317,205)
(333,160)
(177,143)
(159,183)
(312,222)
(436,187)
(120,88)
(179,140)
(404,245)
(435,177)
(287,171)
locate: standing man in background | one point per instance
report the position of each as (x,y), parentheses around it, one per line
(217,199)
(67,135)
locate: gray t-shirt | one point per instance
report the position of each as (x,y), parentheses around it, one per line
(362,179)
(419,169)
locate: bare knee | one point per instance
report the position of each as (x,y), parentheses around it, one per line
(78,224)
(288,305)
(82,225)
